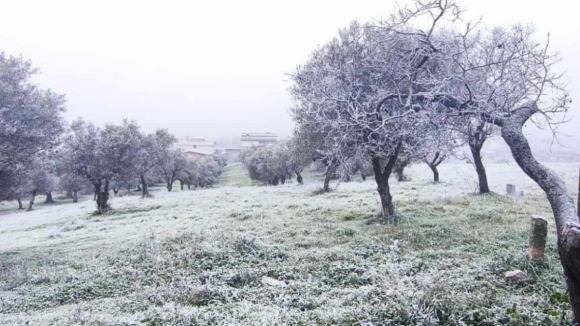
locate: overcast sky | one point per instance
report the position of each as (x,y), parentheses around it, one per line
(214,68)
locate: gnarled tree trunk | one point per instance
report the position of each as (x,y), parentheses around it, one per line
(299,177)
(169,185)
(438,159)
(32,197)
(19,203)
(565,213)
(479,167)
(382,178)
(330,169)
(435,173)
(102,197)
(49,199)
(399,168)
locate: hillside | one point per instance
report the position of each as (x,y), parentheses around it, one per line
(198,257)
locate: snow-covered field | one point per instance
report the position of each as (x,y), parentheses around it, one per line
(197,257)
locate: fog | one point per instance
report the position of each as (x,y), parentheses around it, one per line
(215,69)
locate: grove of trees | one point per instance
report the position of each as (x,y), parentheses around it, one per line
(415,85)
(40,153)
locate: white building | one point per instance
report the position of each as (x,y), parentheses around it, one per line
(196,147)
(256,140)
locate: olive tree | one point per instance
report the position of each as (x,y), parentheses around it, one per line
(38,179)
(355,89)
(30,117)
(100,155)
(153,151)
(171,167)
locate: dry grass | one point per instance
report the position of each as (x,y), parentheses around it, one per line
(196,258)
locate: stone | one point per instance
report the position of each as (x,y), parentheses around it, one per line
(537,238)
(273,282)
(515,276)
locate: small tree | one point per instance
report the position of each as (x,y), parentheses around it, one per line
(171,167)
(38,180)
(153,152)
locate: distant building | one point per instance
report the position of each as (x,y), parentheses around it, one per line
(257,140)
(196,147)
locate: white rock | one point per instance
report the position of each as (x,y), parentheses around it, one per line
(515,276)
(273,282)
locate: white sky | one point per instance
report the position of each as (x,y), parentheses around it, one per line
(214,68)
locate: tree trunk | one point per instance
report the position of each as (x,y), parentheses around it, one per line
(283,180)
(75,196)
(188,186)
(347,178)
(275,181)
(169,185)
(330,169)
(435,172)
(326,186)
(102,197)
(565,213)
(479,168)
(382,179)
(399,168)
(69,194)
(299,177)
(400,175)
(19,203)
(181,184)
(95,195)
(49,199)
(363,176)
(144,188)
(31,203)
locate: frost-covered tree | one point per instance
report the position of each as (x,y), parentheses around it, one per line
(303,150)
(100,155)
(272,165)
(154,150)
(207,171)
(171,167)
(355,91)
(38,179)
(30,117)
(13,181)
(376,85)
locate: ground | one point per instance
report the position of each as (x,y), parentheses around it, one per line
(198,257)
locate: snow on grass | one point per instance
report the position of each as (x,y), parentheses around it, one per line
(198,257)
